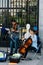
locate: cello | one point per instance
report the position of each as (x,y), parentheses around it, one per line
(23,48)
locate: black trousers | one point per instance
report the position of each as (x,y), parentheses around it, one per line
(29,48)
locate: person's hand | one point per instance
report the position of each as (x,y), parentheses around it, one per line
(22,38)
(9,32)
(12,30)
(17,31)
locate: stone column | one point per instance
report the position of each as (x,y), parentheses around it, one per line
(41,20)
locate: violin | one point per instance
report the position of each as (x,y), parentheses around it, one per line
(26,45)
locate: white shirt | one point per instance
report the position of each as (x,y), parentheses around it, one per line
(33,37)
(34,41)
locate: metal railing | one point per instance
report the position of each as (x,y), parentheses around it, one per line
(22,10)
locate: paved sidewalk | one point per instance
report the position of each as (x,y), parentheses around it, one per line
(37,60)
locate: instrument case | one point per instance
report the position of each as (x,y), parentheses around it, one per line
(3,56)
(15,58)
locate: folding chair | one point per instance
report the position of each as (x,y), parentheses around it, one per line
(39,48)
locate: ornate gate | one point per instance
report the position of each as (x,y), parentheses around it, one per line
(24,11)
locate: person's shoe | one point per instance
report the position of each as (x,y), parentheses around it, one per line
(23,58)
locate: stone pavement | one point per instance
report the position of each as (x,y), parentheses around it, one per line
(37,60)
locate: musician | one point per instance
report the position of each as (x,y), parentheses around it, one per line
(15,36)
(30,33)
(34,40)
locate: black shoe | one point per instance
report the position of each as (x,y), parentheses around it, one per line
(23,58)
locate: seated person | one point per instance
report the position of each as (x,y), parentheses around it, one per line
(30,33)
(38,39)
(4,33)
(15,36)
(34,40)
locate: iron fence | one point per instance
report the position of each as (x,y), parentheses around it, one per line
(24,11)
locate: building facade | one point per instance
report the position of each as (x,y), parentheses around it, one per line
(41,20)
